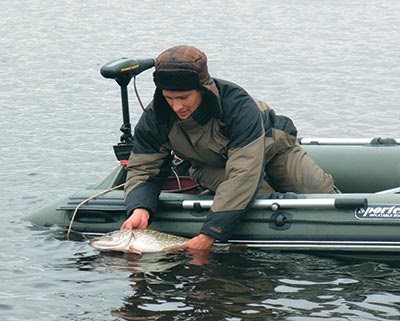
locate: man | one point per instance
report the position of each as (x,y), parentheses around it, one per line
(237,146)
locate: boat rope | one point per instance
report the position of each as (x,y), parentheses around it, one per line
(86,201)
(177,178)
(395,190)
(176,161)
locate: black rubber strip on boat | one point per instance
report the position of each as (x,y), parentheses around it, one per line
(349,203)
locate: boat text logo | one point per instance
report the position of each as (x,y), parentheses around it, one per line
(379,212)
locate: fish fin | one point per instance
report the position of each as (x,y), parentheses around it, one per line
(131,249)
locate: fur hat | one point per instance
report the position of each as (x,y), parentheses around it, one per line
(182,68)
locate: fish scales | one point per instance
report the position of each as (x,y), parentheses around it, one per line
(138,241)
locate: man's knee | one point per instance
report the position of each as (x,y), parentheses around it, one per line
(207,176)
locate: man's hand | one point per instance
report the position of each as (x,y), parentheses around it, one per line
(200,242)
(138,219)
(199,248)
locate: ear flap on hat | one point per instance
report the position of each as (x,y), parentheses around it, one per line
(162,111)
(213,101)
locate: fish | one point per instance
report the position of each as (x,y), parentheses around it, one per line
(138,241)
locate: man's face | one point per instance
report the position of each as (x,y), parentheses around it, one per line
(183,103)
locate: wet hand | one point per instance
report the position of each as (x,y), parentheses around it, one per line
(200,242)
(199,248)
(138,219)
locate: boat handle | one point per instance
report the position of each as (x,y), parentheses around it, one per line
(274,204)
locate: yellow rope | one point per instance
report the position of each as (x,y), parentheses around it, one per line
(177,159)
(87,200)
(177,178)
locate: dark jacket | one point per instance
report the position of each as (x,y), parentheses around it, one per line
(234,132)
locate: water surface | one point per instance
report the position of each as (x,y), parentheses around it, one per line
(332,66)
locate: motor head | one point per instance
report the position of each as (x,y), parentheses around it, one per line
(123,69)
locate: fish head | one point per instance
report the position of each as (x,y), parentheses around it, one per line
(115,241)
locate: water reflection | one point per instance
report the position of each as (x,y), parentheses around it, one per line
(234,285)
(252,285)
(189,292)
(135,264)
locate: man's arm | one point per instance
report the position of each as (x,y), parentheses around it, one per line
(244,169)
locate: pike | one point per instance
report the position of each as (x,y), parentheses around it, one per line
(138,241)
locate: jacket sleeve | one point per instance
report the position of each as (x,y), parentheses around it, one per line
(148,165)
(244,169)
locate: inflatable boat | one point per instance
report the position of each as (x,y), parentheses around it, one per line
(365,216)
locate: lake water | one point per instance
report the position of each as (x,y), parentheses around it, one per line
(332,66)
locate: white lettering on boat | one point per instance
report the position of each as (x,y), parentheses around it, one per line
(379,212)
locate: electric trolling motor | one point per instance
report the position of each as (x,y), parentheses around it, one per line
(122,71)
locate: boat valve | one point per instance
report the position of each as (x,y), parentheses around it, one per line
(281,221)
